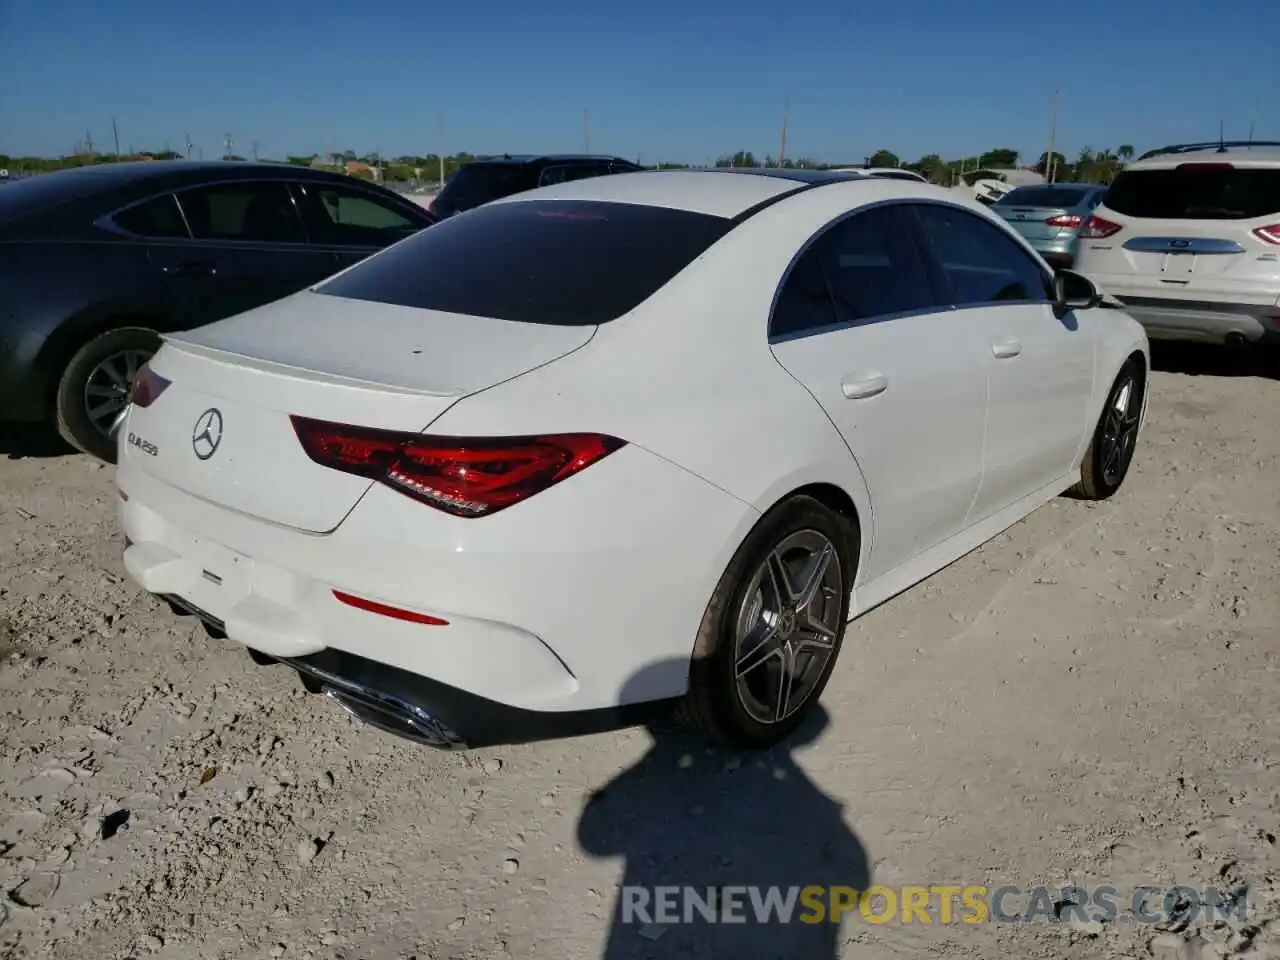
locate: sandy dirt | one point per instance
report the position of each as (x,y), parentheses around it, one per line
(1090,698)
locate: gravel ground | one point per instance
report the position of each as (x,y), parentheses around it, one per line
(1089,698)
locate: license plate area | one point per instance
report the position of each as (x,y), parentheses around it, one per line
(224,577)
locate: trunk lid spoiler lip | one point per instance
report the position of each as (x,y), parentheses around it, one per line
(179,342)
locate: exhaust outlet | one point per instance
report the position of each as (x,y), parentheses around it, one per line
(1236,340)
(395,716)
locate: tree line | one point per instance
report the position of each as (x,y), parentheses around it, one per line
(1089,166)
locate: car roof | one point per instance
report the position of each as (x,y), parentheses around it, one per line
(717,192)
(1237,153)
(523,158)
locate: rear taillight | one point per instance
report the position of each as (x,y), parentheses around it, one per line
(1096,228)
(467,477)
(147,386)
(1269,234)
(1066,220)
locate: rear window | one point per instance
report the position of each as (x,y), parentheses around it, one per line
(1196,194)
(478,183)
(43,192)
(559,262)
(1043,197)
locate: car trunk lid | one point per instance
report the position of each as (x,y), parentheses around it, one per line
(221,429)
(1040,223)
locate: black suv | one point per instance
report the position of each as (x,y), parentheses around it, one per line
(491,178)
(97,262)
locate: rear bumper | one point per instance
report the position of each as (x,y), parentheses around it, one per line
(432,713)
(587,601)
(1203,321)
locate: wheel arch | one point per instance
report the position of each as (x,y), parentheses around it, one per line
(837,499)
(62,344)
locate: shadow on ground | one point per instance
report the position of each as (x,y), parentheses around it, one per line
(21,440)
(689,818)
(1208,360)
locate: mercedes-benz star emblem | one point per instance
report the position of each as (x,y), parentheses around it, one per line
(207,434)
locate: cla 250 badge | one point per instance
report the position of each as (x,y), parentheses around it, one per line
(146,446)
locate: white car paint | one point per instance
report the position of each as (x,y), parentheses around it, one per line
(942,429)
(1167,270)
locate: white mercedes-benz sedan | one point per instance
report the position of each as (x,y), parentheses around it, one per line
(620,444)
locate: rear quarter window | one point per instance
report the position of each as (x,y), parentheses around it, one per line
(1196,193)
(565,263)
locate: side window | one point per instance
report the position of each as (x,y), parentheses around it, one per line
(981,264)
(343,216)
(860,269)
(550,175)
(873,268)
(804,303)
(584,170)
(158,218)
(255,212)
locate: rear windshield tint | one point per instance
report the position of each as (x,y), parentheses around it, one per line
(43,192)
(1043,197)
(1196,194)
(559,262)
(478,183)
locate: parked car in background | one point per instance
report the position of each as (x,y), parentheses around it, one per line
(97,262)
(1049,216)
(1188,238)
(751,404)
(493,178)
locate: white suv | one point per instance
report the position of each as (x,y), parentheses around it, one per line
(1188,238)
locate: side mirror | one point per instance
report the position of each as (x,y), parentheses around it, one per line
(1074,291)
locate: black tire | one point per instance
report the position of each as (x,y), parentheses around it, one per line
(713,705)
(72,403)
(1099,476)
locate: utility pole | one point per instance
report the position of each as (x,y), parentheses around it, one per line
(187,136)
(88,142)
(115,132)
(227,143)
(1050,164)
(255,151)
(586,131)
(782,148)
(441,148)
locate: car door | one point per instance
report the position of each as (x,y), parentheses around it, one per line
(353,223)
(858,323)
(247,247)
(1039,366)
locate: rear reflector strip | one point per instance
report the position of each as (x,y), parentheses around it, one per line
(394,613)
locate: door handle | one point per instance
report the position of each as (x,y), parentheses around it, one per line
(864,387)
(1003,351)
(190,268)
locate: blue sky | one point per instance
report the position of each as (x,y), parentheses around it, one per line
(669,80)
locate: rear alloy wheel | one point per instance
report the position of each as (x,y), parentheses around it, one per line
(94,389)
(773,630)
(1106,462)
